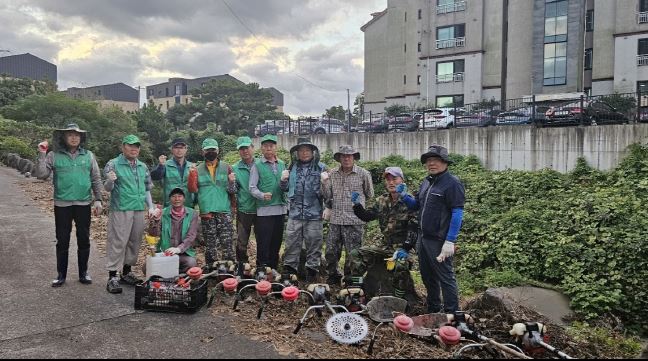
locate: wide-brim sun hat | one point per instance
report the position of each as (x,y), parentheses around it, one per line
(302,142)
(346,149)
(438,151)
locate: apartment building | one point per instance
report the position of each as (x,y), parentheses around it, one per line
(178,91)
(444,52)
(119,95)
(28,66)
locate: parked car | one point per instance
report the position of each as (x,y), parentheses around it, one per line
(439,118)
(326,126)
(481,118)
(380,125)
(583,113)
(402,123)
(265,129)
(522,116)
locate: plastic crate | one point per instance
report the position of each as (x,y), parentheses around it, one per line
(169,298)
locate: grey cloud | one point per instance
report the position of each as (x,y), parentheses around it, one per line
(206,60)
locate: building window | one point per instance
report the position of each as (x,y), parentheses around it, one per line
(450,101)
(588,59)
(418,80)
(451,36)
(589,21)
(556,21)
(450,6)
(419,47)
(642,87)
(450,71)
(420,14)
(177,89)
(167,92)
(406,16)
(404,79)
(555,64)
(643,6)
(405,48)
(150,92)
(642,52)
(167,104)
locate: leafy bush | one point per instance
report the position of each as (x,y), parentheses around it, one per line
(18,146)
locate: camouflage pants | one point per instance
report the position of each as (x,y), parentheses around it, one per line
(349,237)
(366,257)
(218,233)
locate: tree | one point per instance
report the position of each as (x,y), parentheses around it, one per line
(12,90)
(358,108)
(396,109)
(232,106)
(337,112)
(151,121)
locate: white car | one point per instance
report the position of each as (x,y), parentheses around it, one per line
(439,118)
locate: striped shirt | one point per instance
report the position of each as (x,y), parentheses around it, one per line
(337,194)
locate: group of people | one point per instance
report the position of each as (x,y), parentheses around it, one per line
(258,192)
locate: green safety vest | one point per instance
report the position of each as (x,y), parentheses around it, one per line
(129,193)
(269,183)
(165,236)
(173,179)
(246,203)
(72,181)
(212,193)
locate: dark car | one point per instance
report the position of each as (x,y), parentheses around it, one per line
(482,118)
(403,123)
(374,126)
(265,129)
(583,113)
(522,116)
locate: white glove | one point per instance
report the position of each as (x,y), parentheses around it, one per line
(446,252)
(162,159)
(97,208)
(155,213)
(324,177)
(285,175)
(111,176)
(327,214)
(174,250)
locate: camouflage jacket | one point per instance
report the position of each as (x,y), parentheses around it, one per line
(398,224)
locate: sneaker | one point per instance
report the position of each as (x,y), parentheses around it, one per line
(113,285)
(130,279)
(85,279)
(58,282)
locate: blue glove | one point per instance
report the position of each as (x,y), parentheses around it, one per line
(355,198)
(401,189)
(400,254)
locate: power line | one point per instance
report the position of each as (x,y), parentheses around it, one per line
(270,50)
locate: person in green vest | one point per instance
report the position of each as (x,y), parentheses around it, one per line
(178,229)
(268,176)
(129,183)
(214,181)
(174,172)
(246,206)
(77,181)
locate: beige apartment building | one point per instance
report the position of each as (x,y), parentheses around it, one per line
(119,95)
(443,52)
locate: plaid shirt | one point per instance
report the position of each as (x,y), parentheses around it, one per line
(337,194)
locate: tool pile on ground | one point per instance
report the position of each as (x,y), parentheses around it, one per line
(280,318)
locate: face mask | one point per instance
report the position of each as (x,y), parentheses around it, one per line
(211,156)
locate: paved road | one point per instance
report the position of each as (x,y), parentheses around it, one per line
(80,321)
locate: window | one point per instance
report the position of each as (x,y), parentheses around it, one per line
(643,47)
(449,6)
(418,80)
(406,16)
(642,87)
(404,79)
(420,14)
(167,92)
(419,47)
(450,101)
(589,21)
(555,64)
(588,59)
(451,32)
(177,89)
(449,71)
(556,21)
(405,48)
(150,92)
(167,104)
(643,6)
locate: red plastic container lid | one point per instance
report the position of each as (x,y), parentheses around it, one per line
(449,335)
(230,284)
(263,288)
(290,293)
(403,323)
(194,273)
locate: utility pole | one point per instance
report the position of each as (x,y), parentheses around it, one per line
(349,108)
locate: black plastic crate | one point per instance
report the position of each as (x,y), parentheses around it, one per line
(169,298)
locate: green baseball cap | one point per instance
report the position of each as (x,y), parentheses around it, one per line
(269,137)
(243,142)
(131,139)
(209,143)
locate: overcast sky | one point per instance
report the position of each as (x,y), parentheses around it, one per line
(311,50)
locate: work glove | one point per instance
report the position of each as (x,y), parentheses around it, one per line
(97,208)
(401,189)
(446,252)
(232,177)
(173,250)
(162,159)
(355,198)
(111,176)
(42,146)
(400,254)
(324,177)
(285,175)
(155,213)
(327,214)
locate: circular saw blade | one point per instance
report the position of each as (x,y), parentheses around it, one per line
(347,328)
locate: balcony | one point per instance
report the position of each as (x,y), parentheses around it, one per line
(451,43)
(642,60)
(451,8)
(642,18)
(450,78)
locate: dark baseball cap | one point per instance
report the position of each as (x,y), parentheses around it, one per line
(177,141)
(176,190)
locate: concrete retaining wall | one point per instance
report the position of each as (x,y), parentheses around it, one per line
(499,148)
